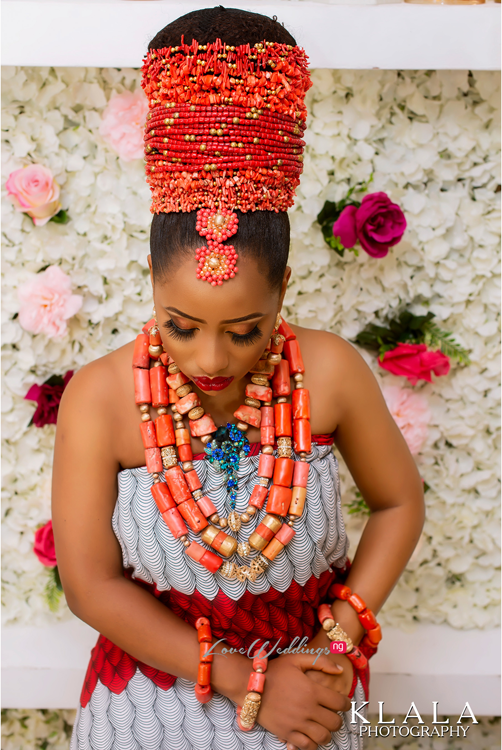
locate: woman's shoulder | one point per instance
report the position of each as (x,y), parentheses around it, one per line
(326,352)
(104,378)
(335,373)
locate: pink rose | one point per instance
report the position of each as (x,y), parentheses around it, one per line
(377,224)
(415,362)
(411,414)
(47,302)
(123,123)
(44,545)
(34,190)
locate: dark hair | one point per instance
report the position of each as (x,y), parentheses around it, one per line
(262,235)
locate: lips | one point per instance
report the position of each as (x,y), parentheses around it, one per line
(212,384)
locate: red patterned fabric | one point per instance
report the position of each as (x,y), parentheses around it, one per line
(273,616)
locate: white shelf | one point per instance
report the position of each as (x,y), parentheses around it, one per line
(391,36)
(45,668)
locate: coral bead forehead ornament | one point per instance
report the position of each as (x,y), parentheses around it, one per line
(223,133)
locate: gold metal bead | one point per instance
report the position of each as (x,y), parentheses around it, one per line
(245,517)
(223,523)
(145,417)
(197,494)
(187,466)
(328,624)
(173,368)
(144,408)
(263,481)
(298,377)
(205,439)
(251,510)
(187,543)
(178,417)
(268,449)
(184,390)
(274,358)
(161,411)
(228,569)
(169,457)
(282,400)
(234,521)
(242,426)
(259,379)
(256,140)
(252,402)
(236,120)
(196,413)
(214,518)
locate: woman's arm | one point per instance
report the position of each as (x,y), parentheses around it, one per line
(382,467)
(84,492)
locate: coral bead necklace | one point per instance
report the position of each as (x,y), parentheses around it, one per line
(282,480)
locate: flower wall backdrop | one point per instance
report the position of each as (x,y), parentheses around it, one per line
(432,140)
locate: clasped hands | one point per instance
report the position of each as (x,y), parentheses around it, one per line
(303,696)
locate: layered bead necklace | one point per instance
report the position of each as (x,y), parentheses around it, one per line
(159,382)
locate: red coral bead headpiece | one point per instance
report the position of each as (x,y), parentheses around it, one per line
(224,132)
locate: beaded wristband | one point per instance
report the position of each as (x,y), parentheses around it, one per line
(335,633)
(203,690)
(246,715)
(373,634)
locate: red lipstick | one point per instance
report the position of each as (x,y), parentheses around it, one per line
(212,384)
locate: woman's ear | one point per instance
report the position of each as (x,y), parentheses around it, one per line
(149,259)
(284,285)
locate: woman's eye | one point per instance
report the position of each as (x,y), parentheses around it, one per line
(182,334)
(249,338)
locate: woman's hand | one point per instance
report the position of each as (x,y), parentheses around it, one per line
(340,681)
(296,707)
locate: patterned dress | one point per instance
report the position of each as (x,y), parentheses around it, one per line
(128,705)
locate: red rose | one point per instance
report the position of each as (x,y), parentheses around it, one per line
(415,362)
(377,224)
(44,545)
(47,397)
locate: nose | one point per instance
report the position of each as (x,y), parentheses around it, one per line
(212,357)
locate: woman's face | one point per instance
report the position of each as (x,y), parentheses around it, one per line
(216,333)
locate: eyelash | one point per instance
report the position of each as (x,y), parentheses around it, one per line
(182,334)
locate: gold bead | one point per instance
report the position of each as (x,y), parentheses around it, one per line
(173,368)
(145,417)
(242,426)
(252,402)
(205,439)
(274,358)
(259,379)
(196,413)
(298,377)
(282,400)
(187,466)
(183,390)
(251,510)
(267,449)
(144,408)
(223,523)
(178,417)
(328,624)
(161,411)
(245,517)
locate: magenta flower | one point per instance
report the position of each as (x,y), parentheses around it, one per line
(377,223)
(44,546)
(48,395)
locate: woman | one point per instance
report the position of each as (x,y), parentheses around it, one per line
(136,543)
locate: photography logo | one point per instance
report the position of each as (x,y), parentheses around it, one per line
(390,728)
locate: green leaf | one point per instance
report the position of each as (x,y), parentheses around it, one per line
(436,338)
(53,589)
(61,217)
(358,506)
(329,212)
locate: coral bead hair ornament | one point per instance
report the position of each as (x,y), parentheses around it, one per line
(224,133)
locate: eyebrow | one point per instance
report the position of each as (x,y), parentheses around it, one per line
(226,322)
